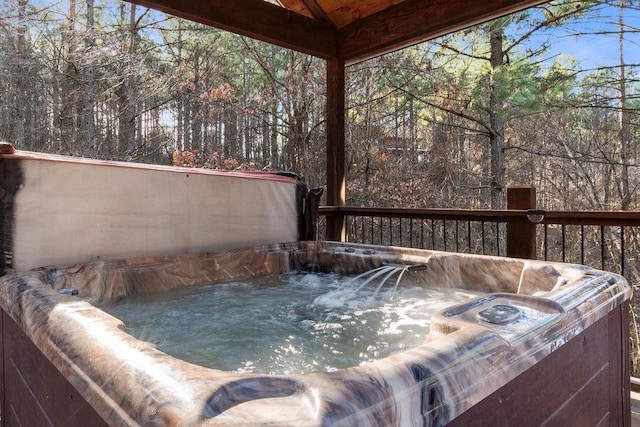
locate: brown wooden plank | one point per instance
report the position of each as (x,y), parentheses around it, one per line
(545,390)
(550,217)
(592,218)
(619,354)
(256,19)
(317,11)
(588,406)
(413,21)
(442,214)
(22,408)
(36,393)
(521,233)
(297,6)
(336,181)
(344,12)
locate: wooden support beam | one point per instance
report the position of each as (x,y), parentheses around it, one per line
(317,11)
(413,21)
(257,19)
(521,233)
(335,146)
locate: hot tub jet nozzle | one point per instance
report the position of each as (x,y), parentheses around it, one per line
(408,267)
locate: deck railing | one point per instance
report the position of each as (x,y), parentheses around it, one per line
(471,231)
(602,239)
(606,240)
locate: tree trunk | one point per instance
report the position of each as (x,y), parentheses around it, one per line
(68,124)
(496,133)
(273,135)
(90,97)
(180,104)
(266,151)
(624,132)
(22,115)
(196,104)
(126,89)
(231,149)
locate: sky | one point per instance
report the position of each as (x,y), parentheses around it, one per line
(581,40)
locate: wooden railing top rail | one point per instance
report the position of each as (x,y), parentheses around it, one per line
(605,218)
(448,214)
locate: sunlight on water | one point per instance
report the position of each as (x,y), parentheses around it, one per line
(293,323)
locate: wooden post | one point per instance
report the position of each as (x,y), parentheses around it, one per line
(335,147)
(521,233)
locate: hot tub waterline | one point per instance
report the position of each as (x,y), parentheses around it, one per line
(408,388)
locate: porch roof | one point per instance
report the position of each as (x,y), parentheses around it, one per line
(350,30)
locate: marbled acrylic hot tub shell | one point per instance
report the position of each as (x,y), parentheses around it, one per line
(464,360)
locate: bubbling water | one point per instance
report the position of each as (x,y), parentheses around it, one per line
(285,324)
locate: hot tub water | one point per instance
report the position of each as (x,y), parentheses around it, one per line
(286,324)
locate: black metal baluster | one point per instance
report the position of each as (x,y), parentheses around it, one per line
(582,244)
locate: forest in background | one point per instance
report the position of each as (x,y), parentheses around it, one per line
(446,123)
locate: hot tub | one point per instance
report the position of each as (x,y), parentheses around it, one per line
(539,343)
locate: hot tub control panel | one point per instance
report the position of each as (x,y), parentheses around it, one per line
(500,314)
(511,317)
